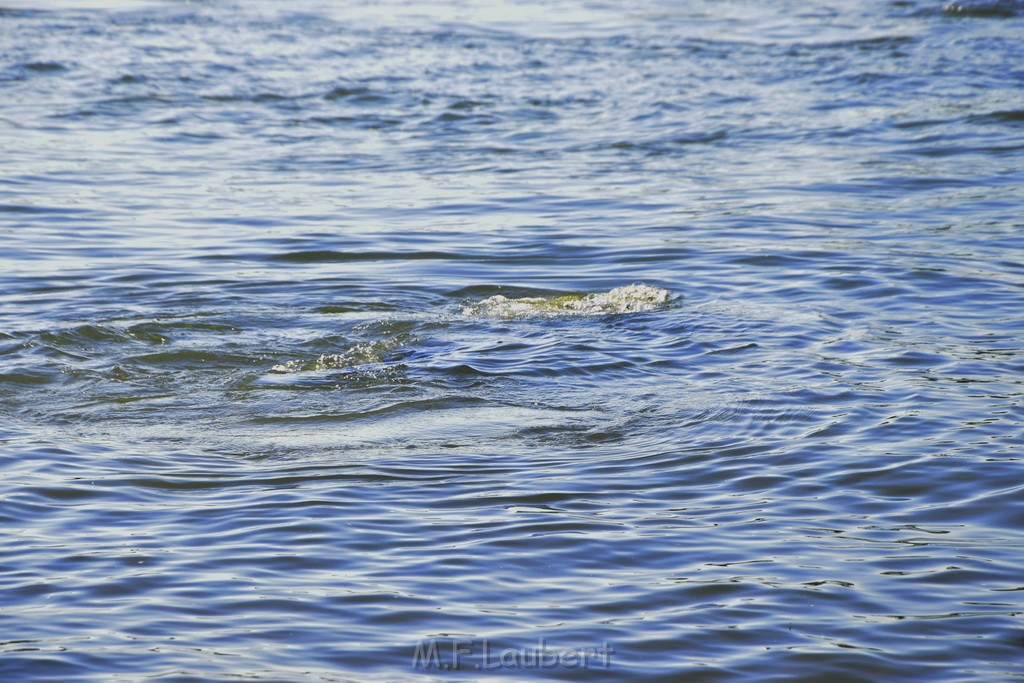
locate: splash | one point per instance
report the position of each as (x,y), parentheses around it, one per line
(360,354)
(629,299)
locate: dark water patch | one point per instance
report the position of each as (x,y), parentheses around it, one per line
(113,104)
(341,257)
(130,79)
(331,120)
(44,67)
(358,94)
(354,307)
(468,105)
(1001,9)
(89,337)
(957,150)
(29,376)
(857,79)
(919,123)
(192,358)
(30,209)
(893,45)
(1012,117)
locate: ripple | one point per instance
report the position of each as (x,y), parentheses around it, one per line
(315,342)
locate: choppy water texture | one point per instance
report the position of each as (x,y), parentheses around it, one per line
(313,345)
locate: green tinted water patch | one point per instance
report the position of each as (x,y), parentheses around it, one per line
(353,307)
(93,335)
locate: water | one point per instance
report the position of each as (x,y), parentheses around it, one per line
(265,416)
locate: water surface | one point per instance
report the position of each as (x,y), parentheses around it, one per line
(310,350)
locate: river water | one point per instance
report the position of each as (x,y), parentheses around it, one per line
(316,361)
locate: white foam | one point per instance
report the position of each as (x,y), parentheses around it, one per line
(629,299)
(360,354)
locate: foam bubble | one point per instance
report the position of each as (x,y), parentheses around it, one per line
(629,299)
(360,354)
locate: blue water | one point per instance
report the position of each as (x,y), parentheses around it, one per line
(256,424)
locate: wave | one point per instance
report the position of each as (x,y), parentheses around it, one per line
(629,299)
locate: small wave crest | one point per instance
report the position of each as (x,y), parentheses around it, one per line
(361,354)
(629,299)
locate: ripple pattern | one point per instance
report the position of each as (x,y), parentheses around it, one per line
(692,332)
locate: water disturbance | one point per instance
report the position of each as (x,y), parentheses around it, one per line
(478,341)
(628,299)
